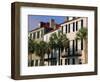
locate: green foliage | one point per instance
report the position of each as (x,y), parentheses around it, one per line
(59,41)
(31,47)
(82,33)
(41,48)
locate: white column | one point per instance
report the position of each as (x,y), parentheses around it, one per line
(38,62)
(57,56)
(64,29)
(79,25)
(63,61)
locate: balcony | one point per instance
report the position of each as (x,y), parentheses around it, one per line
(72,54)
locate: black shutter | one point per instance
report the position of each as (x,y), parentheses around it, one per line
(73,27)
(66,28)
(76,44)
(69,28)
(76,26)
(81,44)
(81,23)
(73,48)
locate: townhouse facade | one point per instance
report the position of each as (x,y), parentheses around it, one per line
(74,53)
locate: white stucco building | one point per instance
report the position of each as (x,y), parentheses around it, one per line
(70,27)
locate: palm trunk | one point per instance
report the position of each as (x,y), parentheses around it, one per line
(30,59)
(48,59)
(42,61)
(52,53)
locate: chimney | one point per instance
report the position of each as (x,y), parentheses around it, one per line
(52,24)
(69,18)
(41,24)
(66,19)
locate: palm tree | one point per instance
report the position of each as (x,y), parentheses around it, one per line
(48,51)
(31,49)
(40,50)
(59,42)
(53,44)
(64,41)
(30,45)
(82,34)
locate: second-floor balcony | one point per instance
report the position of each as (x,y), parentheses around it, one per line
(72,54)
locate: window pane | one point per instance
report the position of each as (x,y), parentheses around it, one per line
(33,35)
(60,61)
(36,63)
(73,27)
(73,48)
(65,61)
(73,61)
(38,33)
(68,61)
(68,47)
(62,29)
(76,44)
(81,44)
(76,26)
(81,23)
(66,28)
(69,28)
(32,63)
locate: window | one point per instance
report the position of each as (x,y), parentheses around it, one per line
(68,61)
(73,61)
(62,29)
(53,62)
(68,47)
(81,23)
(41,33)
(81,44)
(36,63)
(34,35)
(60,61)
(73,48)
(38,33)
(66,28)
(52,54)
(76,26)
(73,27)
(76,44)
(32,63)
(69,28)
(65,61)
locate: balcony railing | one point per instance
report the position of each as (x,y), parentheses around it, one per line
(72,54)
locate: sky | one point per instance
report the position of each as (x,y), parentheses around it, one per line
(33,20)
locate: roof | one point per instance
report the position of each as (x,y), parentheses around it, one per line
(69,20)
(35,29)
(47,25)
